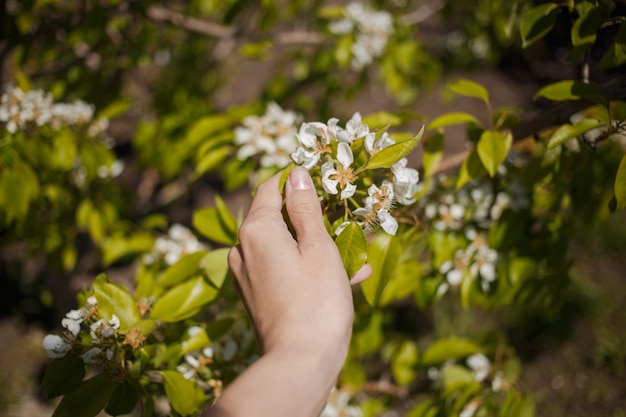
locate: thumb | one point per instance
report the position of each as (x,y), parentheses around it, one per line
(303,206)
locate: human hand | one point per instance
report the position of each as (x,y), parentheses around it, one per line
(295,290)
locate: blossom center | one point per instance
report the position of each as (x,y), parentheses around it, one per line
(344,175)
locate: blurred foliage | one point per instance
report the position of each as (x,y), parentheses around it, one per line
(491,235)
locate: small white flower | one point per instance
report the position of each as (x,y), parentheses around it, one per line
(56,346)
(480,366)
(342,176)
(72,326)
(314,140)
(405,182)
(373,145)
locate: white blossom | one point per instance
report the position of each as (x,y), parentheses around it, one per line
(405,182)
(272,136)
(178,242)
(480,366)
(314,141)
(340,176)
(371,31)
(56,346)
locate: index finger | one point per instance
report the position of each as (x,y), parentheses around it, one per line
(267,198)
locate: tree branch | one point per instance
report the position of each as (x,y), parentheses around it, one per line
(161,14)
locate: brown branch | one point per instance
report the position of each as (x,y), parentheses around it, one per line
(162,14)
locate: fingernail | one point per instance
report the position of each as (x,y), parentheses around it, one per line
(300,179)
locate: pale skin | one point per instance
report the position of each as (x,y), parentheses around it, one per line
(299,300)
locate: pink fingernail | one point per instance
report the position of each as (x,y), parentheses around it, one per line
(300,179)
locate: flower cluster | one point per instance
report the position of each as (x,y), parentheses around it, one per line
(19,109)
(338,405)
(272,136)
(468,213)
(371,30)
(178,242)
(482,371)
(104,335)
(476,261)
(332,148)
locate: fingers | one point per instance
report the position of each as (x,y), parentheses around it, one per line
(267,199)
(361,275)
(304,208)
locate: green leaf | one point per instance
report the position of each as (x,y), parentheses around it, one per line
(572,90)
(403,283)
(187,266)
(18,187)
(117,247)
(212,159)
(469,88)
(567,131)
(215,264)
(183,301)
(450,119)
(184,395)
(433,154)
(237,173)
(381,119)
(456,378)
(88,399)
(404,363)
(197,341)
(391,154)
(615,55)
(115,109)
(216,223)
(115,299)
(63,375)
(205,127)
(424,409)
(537,22)
(352,248)
(383,255)
(123,400)
(64,150)
(620,185)
(585,28)
(492,149)
(471,168)
(448,348)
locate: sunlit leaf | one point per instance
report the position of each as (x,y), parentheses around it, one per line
(114,299)
(383,255)
(469,88)
(184,268)
(183,301)
(450,119)
(215,265)
(492,149)
(392,154)
(567,131)
(404,363)
(572,90)
(448,348)
(537,22)
(184,395)
(352,248)
(471,168)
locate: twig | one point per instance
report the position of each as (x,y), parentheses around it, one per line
(161,14)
